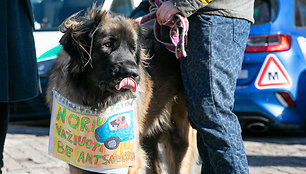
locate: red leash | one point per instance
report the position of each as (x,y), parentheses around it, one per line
(176,22)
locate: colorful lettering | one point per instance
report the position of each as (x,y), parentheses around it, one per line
(81,156)
(97,158)
(111,159)
(69,137)
(100,122)
(105,160)
(81,143)
(93,126)
(68,150)
(61,114)
(60,148)
(74,138)
(84,122)
(88,158)
(63,134)
(119,158)
(58,129)
(76,119)
(88,146)
(95,146)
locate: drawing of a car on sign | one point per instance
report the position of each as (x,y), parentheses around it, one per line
(117,128)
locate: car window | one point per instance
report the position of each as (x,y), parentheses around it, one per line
(265,11)
(300,13)
(49,14)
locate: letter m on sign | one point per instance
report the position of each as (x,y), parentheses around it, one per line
(272,74)
(273,77)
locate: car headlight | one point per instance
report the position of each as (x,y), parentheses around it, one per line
(44,67)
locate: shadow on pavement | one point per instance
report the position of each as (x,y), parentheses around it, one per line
(32,127)
(278,136)
(288,161)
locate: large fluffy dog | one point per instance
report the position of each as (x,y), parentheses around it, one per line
(99,50)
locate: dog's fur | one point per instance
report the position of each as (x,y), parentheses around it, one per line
(99,50)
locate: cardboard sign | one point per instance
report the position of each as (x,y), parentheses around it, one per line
(91,140)
(272,74)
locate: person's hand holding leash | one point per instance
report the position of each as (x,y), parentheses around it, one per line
(165,11)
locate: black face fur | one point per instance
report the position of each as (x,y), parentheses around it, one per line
(103,49)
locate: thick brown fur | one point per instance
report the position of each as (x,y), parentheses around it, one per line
(99,50)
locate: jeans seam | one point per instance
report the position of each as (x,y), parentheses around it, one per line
(211,84)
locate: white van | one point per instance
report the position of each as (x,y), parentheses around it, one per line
(48,15)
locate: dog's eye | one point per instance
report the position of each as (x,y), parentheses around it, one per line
(108,44)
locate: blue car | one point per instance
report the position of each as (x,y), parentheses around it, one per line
(271,88)
(117,128)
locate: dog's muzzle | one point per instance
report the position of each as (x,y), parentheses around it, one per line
(129,71)
(127,77)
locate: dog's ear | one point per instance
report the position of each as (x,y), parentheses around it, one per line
(77,38)
(143,44)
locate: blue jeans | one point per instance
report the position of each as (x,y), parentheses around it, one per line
(214,57)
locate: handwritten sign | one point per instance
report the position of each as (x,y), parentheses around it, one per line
(88,139)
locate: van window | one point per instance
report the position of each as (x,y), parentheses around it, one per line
(49,14)
(265,11)
(300,13)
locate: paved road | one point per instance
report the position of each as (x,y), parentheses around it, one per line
(276,154)
(26,152)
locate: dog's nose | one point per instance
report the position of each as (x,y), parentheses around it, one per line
(128,71)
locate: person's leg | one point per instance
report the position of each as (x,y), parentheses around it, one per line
(4,117)
(214,57)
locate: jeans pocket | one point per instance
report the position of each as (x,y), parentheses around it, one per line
(205,19)
(241,32)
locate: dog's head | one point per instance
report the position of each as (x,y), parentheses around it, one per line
(104,49)
(119,120)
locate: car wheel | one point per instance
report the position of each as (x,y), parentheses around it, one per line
(112,143)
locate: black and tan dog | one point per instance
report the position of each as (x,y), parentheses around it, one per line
(99,51)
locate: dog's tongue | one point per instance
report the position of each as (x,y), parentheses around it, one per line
(127,83)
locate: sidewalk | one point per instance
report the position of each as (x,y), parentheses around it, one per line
(26,152)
